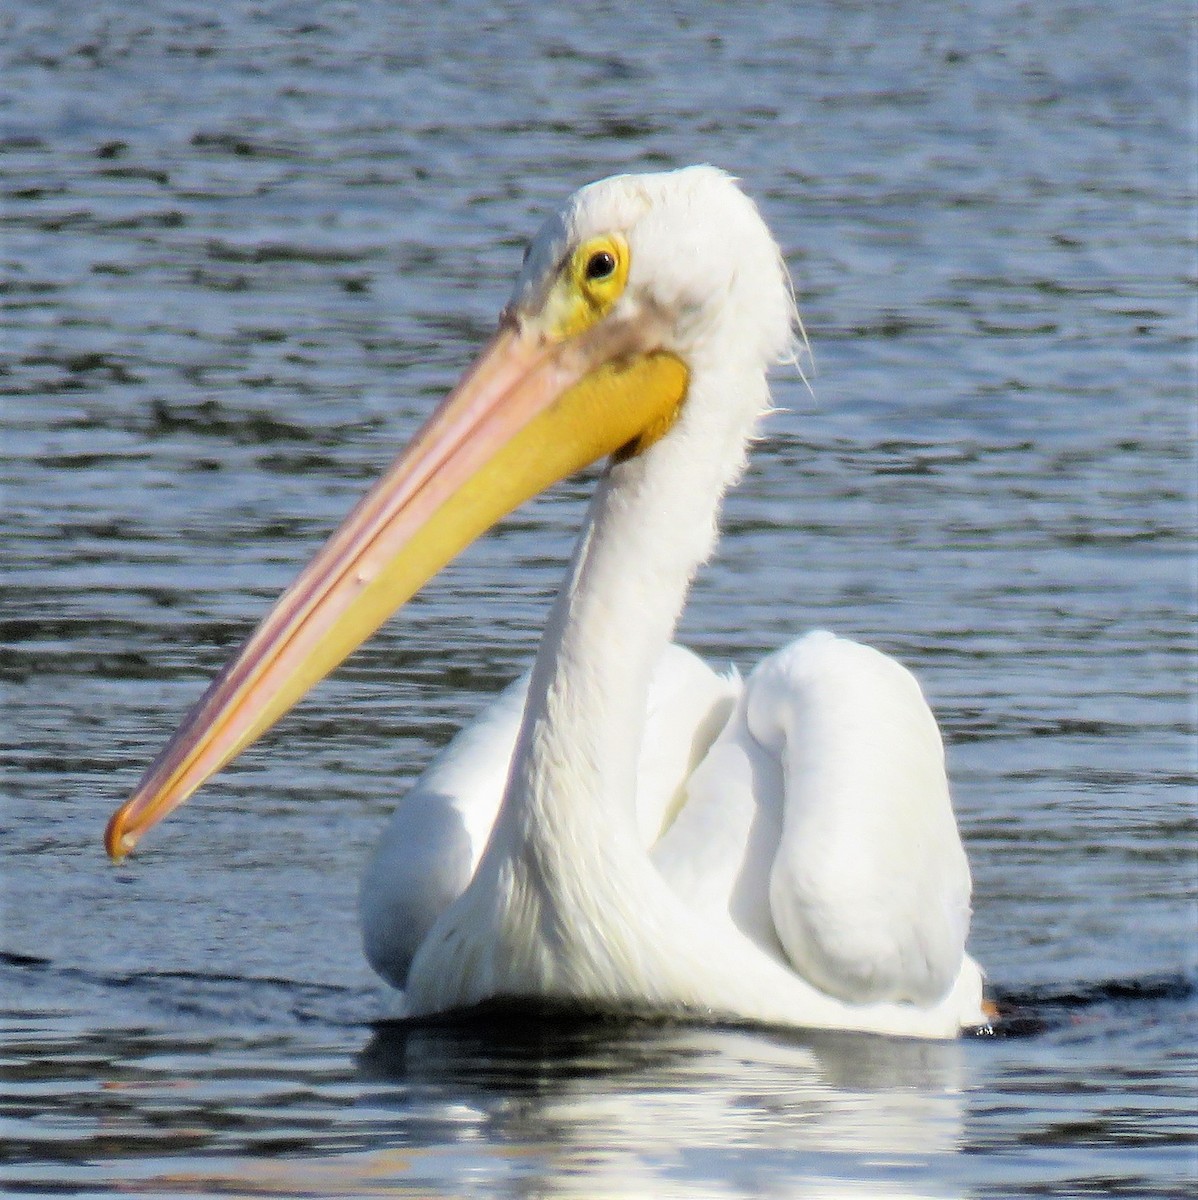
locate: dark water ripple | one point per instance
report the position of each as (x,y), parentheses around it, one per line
(244,247)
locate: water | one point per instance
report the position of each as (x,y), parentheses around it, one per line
(244,248)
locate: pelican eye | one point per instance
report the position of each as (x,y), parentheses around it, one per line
(591,281)
(601,265)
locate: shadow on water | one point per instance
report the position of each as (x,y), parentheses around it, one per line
(549,1049)
(520,1033)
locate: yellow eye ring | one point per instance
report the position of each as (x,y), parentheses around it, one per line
(600,270)
(587,286)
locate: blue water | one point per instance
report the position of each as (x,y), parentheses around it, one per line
(243,248)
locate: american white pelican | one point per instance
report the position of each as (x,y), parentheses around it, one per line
(624,828)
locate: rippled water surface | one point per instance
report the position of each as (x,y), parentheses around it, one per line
(245,246)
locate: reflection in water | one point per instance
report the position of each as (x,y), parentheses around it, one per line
(528,1104)
(619,1109)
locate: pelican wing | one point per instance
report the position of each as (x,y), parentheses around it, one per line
(435,838)
(820,822)
(432,844)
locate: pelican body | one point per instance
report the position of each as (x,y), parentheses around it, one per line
(624,828)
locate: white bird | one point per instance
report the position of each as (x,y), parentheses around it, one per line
(624,828)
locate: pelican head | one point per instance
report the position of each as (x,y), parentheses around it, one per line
(639,286)
(683,253)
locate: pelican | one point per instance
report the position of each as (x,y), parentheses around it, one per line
(624,828)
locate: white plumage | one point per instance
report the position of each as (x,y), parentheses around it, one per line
(654,835)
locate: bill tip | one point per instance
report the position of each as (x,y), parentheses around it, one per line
(117,841)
